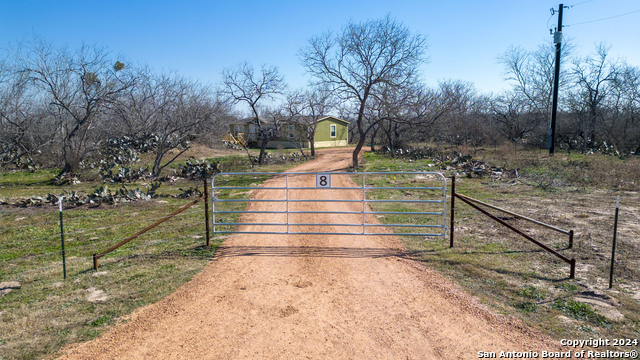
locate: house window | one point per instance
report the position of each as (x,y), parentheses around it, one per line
(252,129)
(291,133)
(333,130)
(238,129)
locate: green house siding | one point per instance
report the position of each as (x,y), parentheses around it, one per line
(323,131)
(294,134)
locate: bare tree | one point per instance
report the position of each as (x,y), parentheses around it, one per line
(23,126)
(512,115)
(623,127)
(242,84)
(359,61)
(310,106)
(166,111)
(531,75)
(460,122)
(595,77)
(389,112)
(78,88)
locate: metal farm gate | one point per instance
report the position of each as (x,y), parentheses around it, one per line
(331,203)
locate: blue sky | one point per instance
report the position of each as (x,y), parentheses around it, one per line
(200,38)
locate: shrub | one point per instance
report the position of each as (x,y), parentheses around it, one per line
(580,311)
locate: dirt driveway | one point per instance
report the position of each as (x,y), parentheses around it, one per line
(313,297)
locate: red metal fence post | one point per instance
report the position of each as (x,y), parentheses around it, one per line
(572,274)
(570,239)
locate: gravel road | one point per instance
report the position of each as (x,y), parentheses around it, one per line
(313,297)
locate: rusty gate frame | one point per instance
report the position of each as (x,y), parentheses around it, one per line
(474,203)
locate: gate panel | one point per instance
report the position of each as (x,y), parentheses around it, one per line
(416,206)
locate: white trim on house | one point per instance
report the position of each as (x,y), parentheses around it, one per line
(320,144)
(333,130)
(333,118)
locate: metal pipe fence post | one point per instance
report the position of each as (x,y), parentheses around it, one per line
(572,272)
(570,239)
(206,211)
(64,262)
(363,202)
(613,247)
(287,199)
(453,206)
(213,206)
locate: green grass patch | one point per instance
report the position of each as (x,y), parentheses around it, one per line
(580,311)
(26,178)
(527,306)
(48,312)
(534,293)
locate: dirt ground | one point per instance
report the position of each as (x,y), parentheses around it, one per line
(313,297)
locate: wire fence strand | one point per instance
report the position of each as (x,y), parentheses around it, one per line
(184,223)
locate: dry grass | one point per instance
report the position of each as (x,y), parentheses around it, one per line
(518,278)
(48,312)
(580,171)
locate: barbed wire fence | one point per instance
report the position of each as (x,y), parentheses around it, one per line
(34,251)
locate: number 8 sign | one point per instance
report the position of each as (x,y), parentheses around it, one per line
(323,180)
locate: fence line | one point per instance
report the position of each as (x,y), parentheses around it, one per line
(120,224)
(75,232)
(54,211)
(30,256)
(88,258)
(55,235)
(475,204)
(130,203)
(57,263)
(75,248)
(97,256)
(80,233)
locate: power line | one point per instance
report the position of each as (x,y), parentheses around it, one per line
(549,19)
(580,3)
(607,18)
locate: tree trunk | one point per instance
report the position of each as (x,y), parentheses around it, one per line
(155,171)
(312,145)
(373,139)
(71,159)
(66,169)
(356,152)
(263,148)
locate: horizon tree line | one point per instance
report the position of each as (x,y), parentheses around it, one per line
(65,109)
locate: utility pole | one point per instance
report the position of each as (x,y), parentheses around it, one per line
(557,38)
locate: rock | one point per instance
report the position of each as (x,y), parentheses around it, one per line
(96,295)
(57,284)
(602,302)
(8,286)
(99,273)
